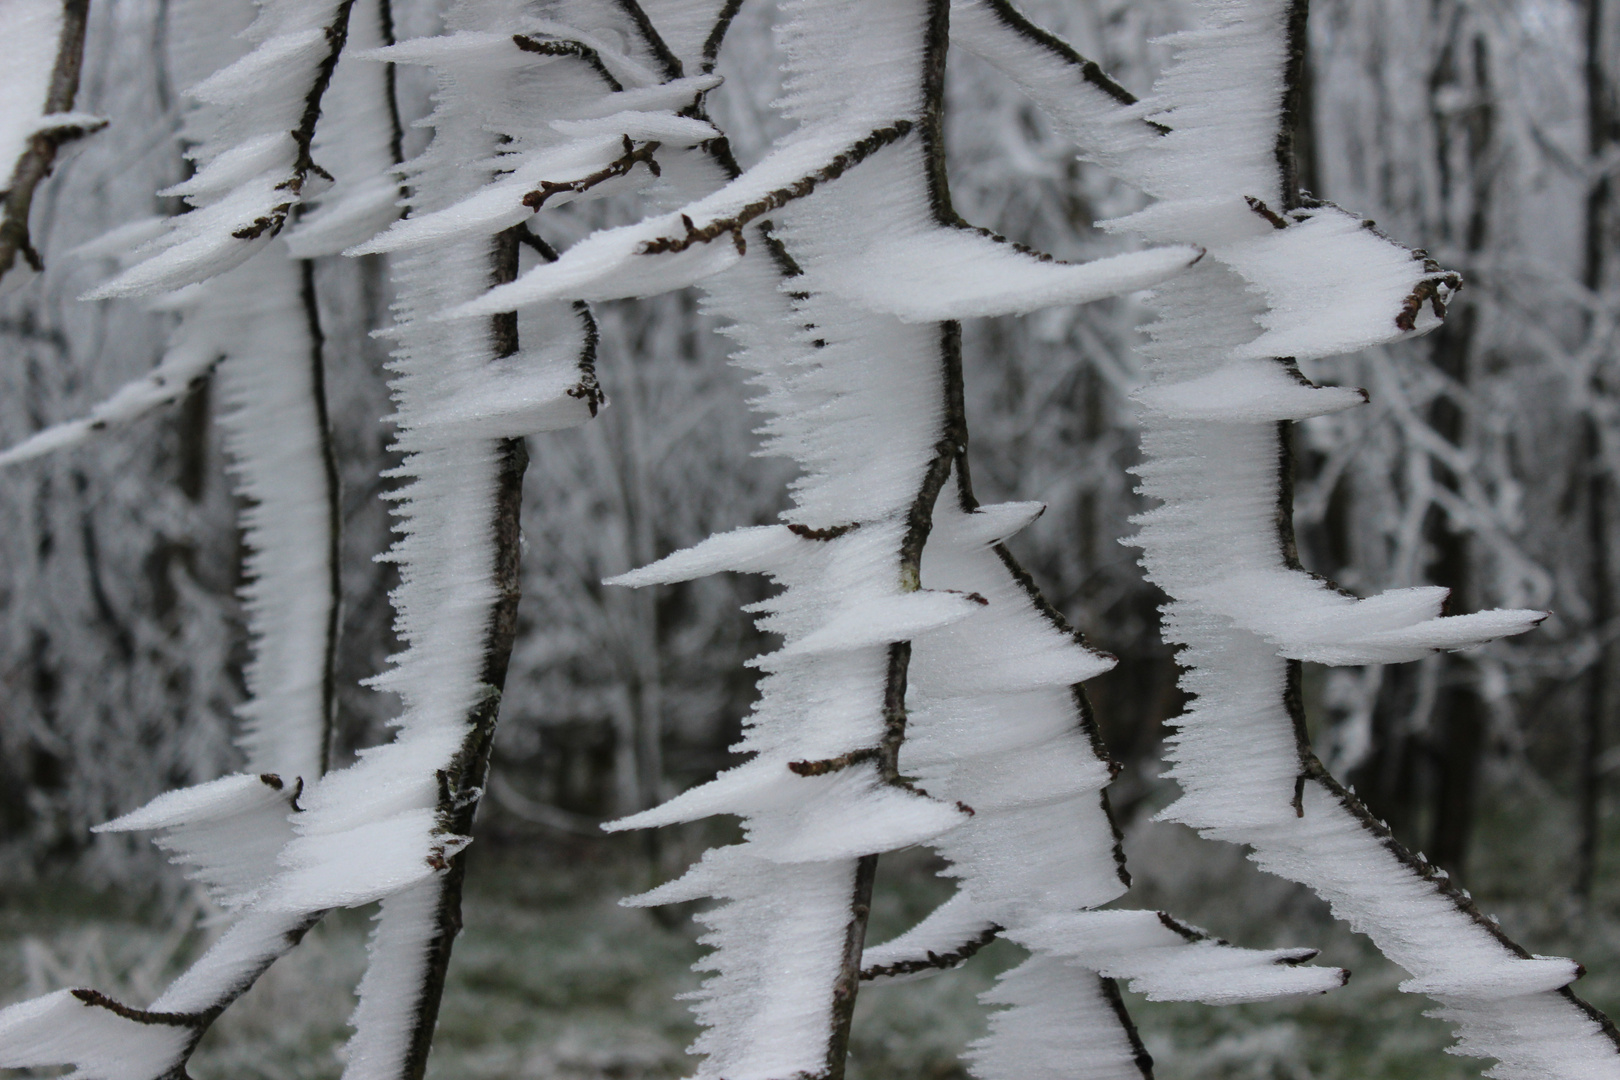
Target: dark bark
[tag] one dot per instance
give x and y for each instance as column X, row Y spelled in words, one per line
column 334, row 509
column 1457, row 734
column 36, row 162
column 1603, row 132
column 848, row 982
column 933, row 961
column 303, row 136
column 462, row 784
column 396, row 129
column 919, row 522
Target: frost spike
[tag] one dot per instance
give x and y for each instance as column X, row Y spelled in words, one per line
column 254, row 166
column 822, row 408
column 259, row 320
column 1225, row 178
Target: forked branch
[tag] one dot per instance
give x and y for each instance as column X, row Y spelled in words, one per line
column 40, row 155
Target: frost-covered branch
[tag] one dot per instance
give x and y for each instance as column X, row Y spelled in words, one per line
column 259, row 323
column 45, row 42
column 875, row 255
column 1221, row 543
column 233, row 830
column 257, row 156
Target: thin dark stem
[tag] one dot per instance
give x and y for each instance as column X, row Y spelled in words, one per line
column 1014, row 20
column 462, row 784
column 848, row 983
column 919, row 522
column 36, row 162
column 620, row 166
column 396, row 129
column 1293, row 103
column 557, row 47
column 733, row 225
column 717, row 34
column 652, row 39
column 303, row 136
column 334, row 509
column 1602, row 123
column 933, row 961
column 1116, row 1001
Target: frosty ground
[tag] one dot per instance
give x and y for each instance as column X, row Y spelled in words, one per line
column 551, row 978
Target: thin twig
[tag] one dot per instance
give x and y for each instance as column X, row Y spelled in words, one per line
column 462, row 784
column 932, row 961
column 334, row 508
column 303, row 136
column 652, row 39
column 559, row 47
column 733, row 226
column 619, row 166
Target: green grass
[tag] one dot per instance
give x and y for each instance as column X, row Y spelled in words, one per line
column 552, row 979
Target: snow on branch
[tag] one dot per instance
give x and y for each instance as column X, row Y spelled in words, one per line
column 255, row 162
column 358, row 142
column 258, row 323
column 916, row 652
column 1287, row 278
column 45, row 48
column 393, row 826
column 231, row 832
column 1091, row 109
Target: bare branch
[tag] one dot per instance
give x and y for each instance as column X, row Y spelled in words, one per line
column 461, row 786
column 620, row 166
column 334, row 507
column 717, row 35
column 1014, row 20
column 555, row 47
column 932, row 960
column 733, row 226
column 652, row 39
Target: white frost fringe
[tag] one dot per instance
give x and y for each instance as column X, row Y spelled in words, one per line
column 230, row 831
column 853, row 381
column 1303, row 283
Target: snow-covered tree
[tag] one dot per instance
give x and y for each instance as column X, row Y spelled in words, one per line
column 925, row 691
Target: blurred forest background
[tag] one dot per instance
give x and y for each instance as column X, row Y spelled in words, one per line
column 1487, row 131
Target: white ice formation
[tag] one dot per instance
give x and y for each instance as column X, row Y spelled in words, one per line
column 252, row 131
column 254, row 322
column 924, row 691
column 1288, row 279
column 837, row 260
column 44, row 47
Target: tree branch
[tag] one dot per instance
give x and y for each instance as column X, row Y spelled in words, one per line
column 652, row 39
column 932, row 961
column 337, row 33
column 717, row 33
column 733, row 226
column 550, row 47
column 1014, row 20
column 461, row 786
column 36, row 162
column 334, row 508
column 619, row 166
column 1293, row 698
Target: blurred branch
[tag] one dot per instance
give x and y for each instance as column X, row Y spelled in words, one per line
column 36, row 162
